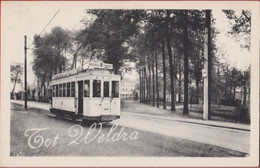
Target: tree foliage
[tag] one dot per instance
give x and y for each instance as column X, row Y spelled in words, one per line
column 16, row 72
column 111, row 31
column 49, row 55
column 167, row 46
column 240, row 26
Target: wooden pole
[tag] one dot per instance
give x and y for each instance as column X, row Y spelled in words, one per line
column 207, row 68
column 25, row 72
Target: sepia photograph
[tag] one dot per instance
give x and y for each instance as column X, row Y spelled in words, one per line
column 98, row 82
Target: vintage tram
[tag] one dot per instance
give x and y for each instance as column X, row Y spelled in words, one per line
column 90, row 94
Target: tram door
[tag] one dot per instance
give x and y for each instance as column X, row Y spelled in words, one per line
column 106, row 99
column 80, row 98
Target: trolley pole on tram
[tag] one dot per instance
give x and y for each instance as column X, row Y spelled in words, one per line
column 25, row 72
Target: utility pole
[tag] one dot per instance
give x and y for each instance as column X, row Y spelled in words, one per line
column 25, row 72
column 206, row 73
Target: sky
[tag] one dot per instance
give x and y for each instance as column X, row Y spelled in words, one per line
column 26, row 18
column 237, row 56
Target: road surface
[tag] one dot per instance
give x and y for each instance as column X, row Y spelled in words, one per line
column 141, row 131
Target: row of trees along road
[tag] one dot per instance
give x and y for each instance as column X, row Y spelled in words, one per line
column 166, row 45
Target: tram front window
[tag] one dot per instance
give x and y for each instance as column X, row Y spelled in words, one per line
column 86, row 88
column 96, row 88
column 106, row 89
column 115, row 89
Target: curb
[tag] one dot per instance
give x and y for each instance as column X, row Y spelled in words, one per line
column 192, row 122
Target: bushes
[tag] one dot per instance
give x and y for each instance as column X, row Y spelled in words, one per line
column 44, row 99
column 230, row 102
column 237, row 114
column 242, row 114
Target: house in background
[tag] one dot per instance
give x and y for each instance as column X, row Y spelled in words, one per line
column 127, row 88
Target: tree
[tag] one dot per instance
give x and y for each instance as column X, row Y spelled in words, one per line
column 168, row 43
column 244, row 81
column 186, row 62
column 157, row 83
column 49, row 55
column 153, row 75
column 149, row 37
column 16, row 72
column 78, row 44
column 240, row 26
column 114, row 28
column 164, row 75
column 234, row 80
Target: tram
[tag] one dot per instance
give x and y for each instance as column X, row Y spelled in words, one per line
column 90, row 94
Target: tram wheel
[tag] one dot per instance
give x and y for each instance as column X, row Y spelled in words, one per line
column 73, row 118
column 86, row 122
column 58, row 116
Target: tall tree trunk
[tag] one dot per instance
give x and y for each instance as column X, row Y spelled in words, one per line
column 144, row 77
column 140, row 86
column 186, row 64
column 197, row 91
column 15, row 81
column 230, row 90
column 147, row 87
column 164, row 76
column 179, row 99
column 244, row 88
column 157, row 87
column 75, row 61
column 51, row 71
column 153, row 78
column 38, row 93
column 218, row 88
column 44, row 86
column 248, row 92
column 149, row 82
column 44, row 89
column 225, row 89
column 60, row 68
column 174, row 76
column 234, row 92
column 82, row 63
column 41, row 91
column 170, row 62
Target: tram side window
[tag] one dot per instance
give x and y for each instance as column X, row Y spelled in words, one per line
column 115, row 89
column 86, row 88
column 96, row 88
column 57, row 91
column 72, row 89
column 68, row 89
column 60, row 90
column 64, row 90
column 106, row 89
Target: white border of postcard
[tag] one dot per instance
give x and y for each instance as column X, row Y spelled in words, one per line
column 252, row 160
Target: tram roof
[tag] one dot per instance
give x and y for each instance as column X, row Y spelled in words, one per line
column 75, row 72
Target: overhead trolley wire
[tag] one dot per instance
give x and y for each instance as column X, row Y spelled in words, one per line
column 44, row 28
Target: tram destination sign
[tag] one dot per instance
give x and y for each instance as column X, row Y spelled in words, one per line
column 66, row 74
column 99, row 65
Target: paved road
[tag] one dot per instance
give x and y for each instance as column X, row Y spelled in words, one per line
column 135, row 135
